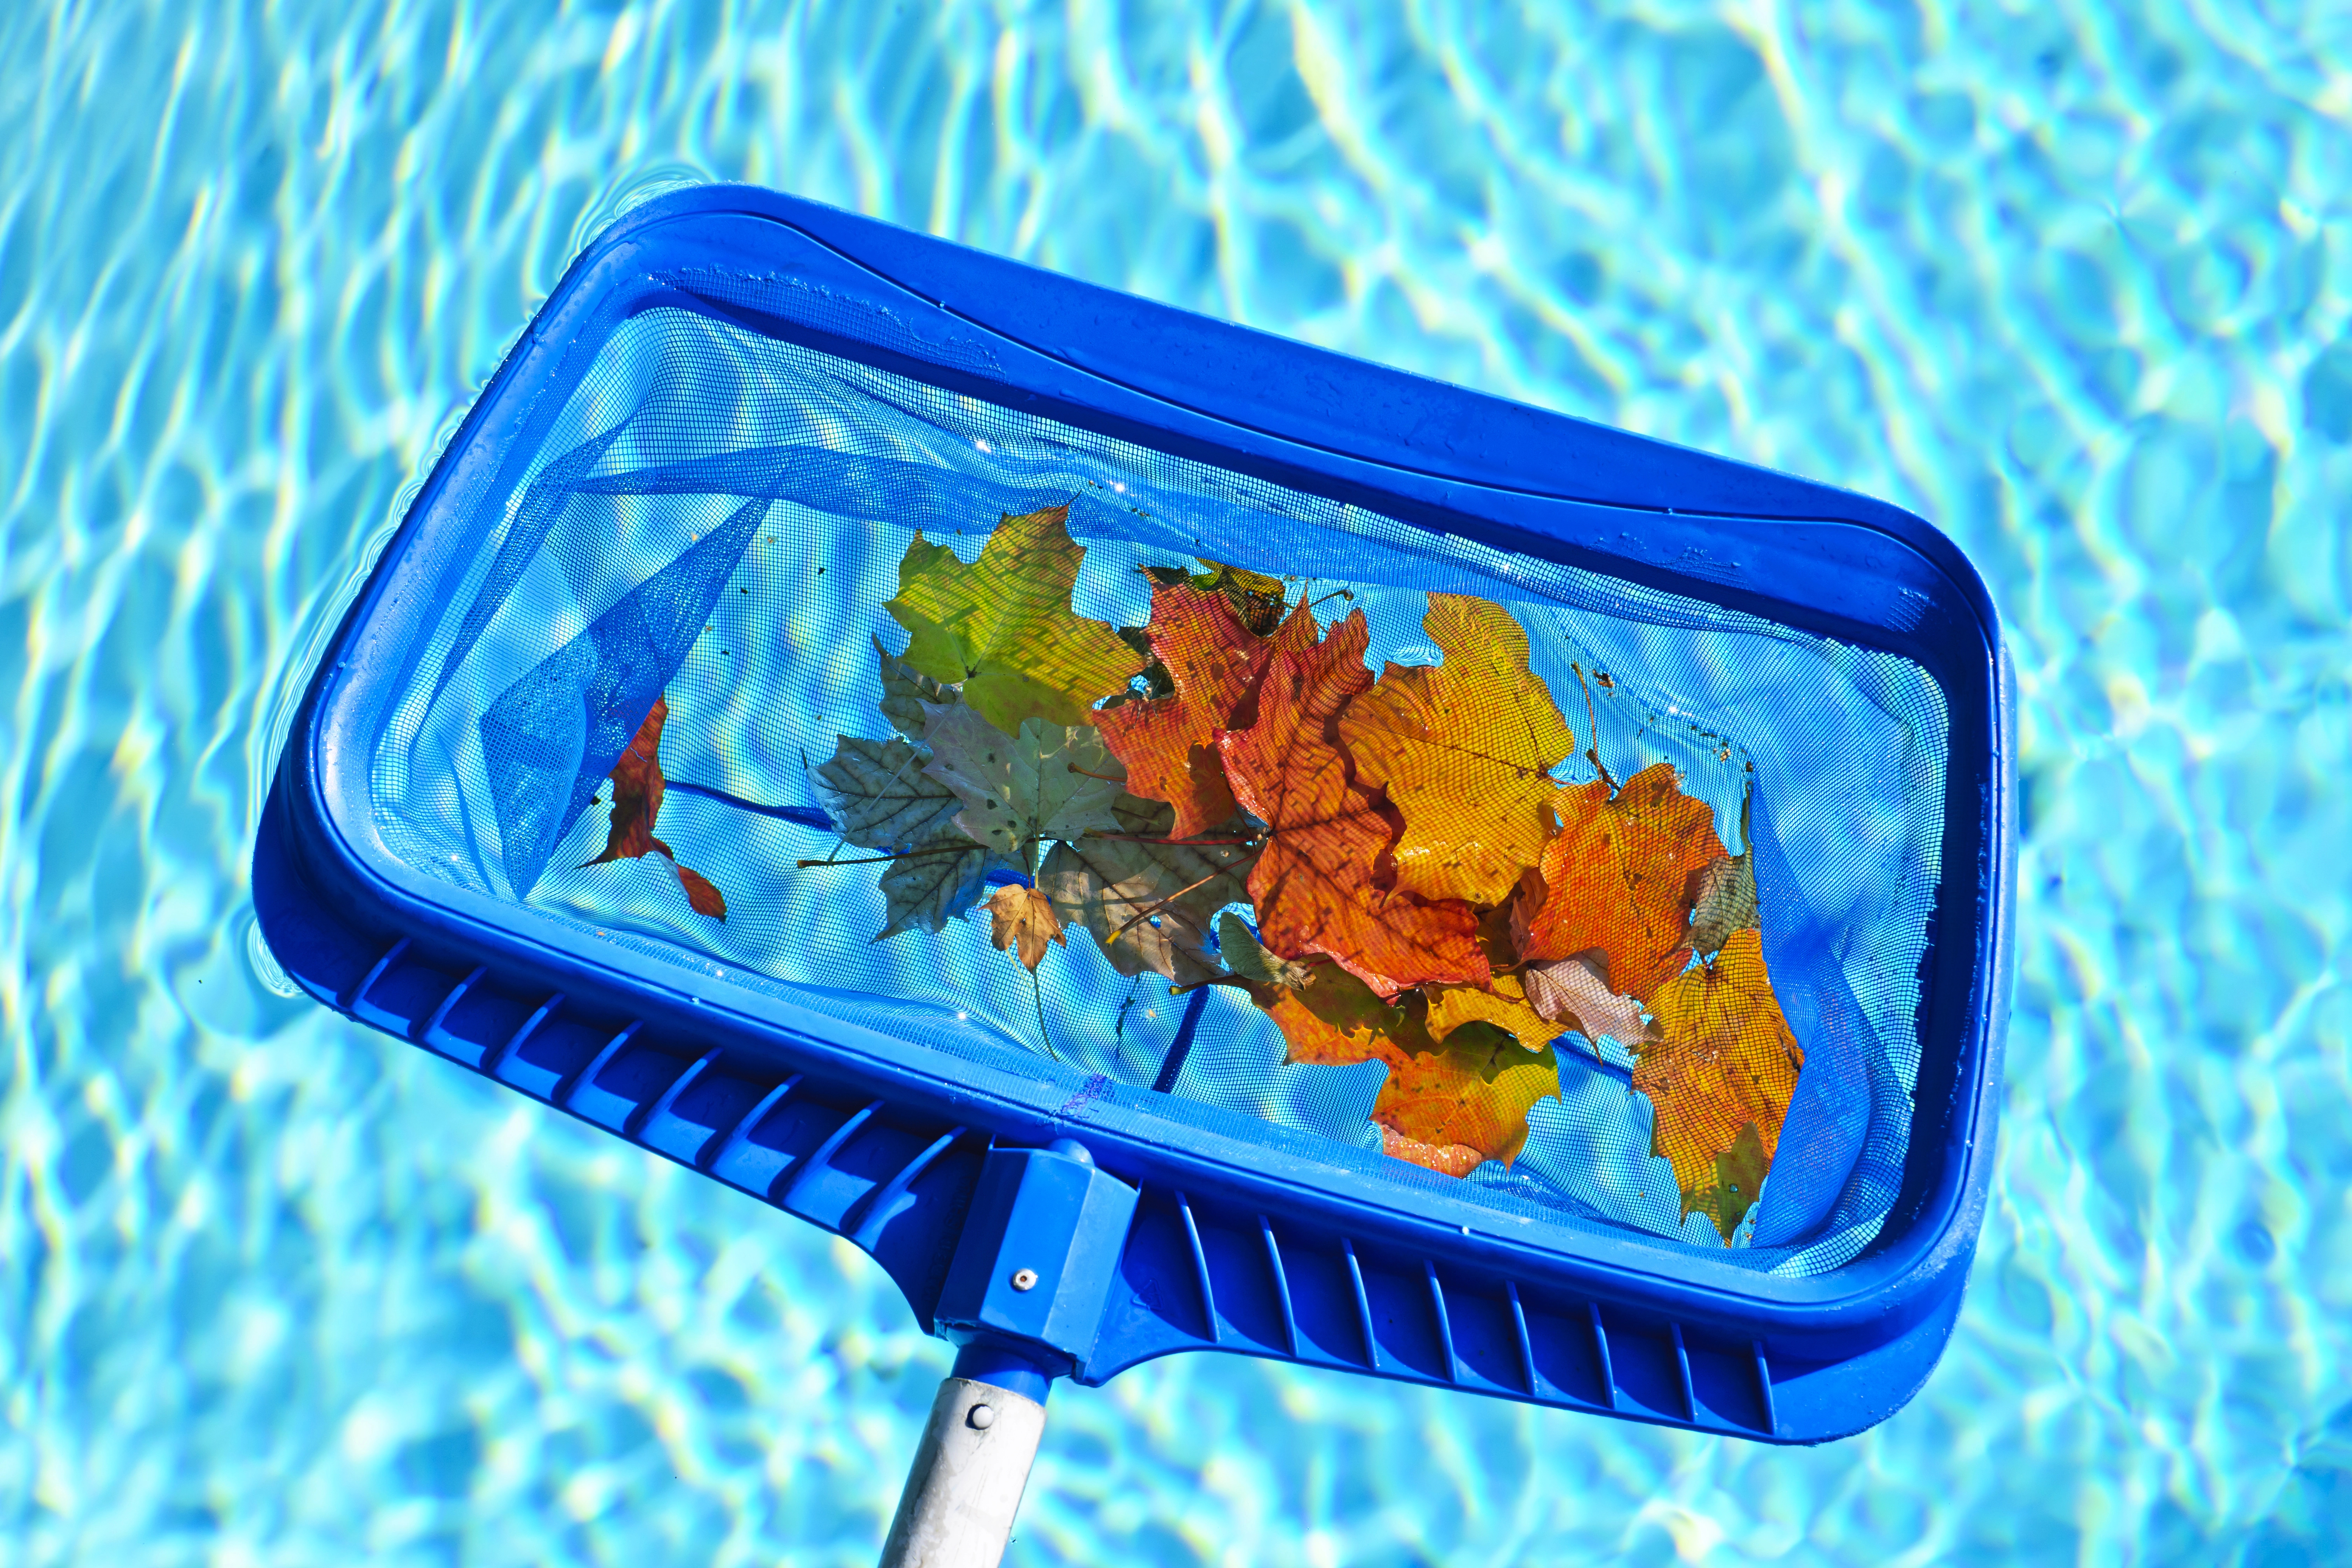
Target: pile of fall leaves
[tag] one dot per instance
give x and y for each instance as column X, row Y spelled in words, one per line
column 1426, row 894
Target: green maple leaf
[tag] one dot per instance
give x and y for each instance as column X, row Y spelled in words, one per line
column 1052, row 781
column 1148, row 903
column 880, row 796
column 1245, row 957
column 1739, row 1172
column 1003, row 625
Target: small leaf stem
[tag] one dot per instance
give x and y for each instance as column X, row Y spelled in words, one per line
column 902, row 855
column 1150, row 910
column 1150, row 838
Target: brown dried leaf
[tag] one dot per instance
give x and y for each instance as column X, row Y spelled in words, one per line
column 1023, row 919
column 636, row 803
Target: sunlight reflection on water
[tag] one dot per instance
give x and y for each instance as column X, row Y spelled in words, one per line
column 2070, row 283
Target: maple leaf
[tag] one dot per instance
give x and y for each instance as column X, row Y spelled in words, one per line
column 1147, row 902
column 1721, row 1072
column 1503, row 1005
column 1338, row 1020
column 1251, row 961
column 1465, row 749
column 1315, row 884
column 879, row 796
column 1574, row 994
column 905, row 690
column 1448, row 1104
column 1169, row 743
column 1474, row 1093
column 1052, row 781
column 1023, row 919
column 1003, row 628
column 1726, row 904
column 1446, row 1160
column 936, row 881
column 1619, row 877
column 636, row 803
column 1256, row 598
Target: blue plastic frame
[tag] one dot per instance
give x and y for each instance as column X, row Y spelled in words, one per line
column 1243, row 1238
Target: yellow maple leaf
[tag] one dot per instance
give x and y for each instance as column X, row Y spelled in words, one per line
column 1719, row 1075
column 1505, row 1006
column 1003, row 627
column 1465, row 749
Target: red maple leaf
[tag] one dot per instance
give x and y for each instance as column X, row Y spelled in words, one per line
column 1319, row 884
column 1169, row 744
column 1620, row 876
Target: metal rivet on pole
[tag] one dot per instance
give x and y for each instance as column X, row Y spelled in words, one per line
column 969, row 1473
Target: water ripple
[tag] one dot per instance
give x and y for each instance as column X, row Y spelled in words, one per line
column 2070, row 281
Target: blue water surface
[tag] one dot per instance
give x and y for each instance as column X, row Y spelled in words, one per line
column 2073, row 281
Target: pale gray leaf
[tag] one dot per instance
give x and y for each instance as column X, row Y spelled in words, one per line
column 905, row 690
column 1049, row 782
column 1570, row 991
column 941, row 878
column 879, row 796
column 1144, row 818
column 1106, row 884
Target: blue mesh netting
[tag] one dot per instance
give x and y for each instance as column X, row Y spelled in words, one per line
column 716, row 517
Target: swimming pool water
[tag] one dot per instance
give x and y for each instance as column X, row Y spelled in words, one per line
column 2073, row 281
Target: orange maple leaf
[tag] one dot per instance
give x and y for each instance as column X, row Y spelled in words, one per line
column 1619, row 877
column 1720, row 1075
column 1449, row 1105
column 1335, row 1019
column 1316, row 885
column 1471, row 1093
column 638, row 801
column 1169, row 743
column 1465, row 749
column 1445, row 1159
